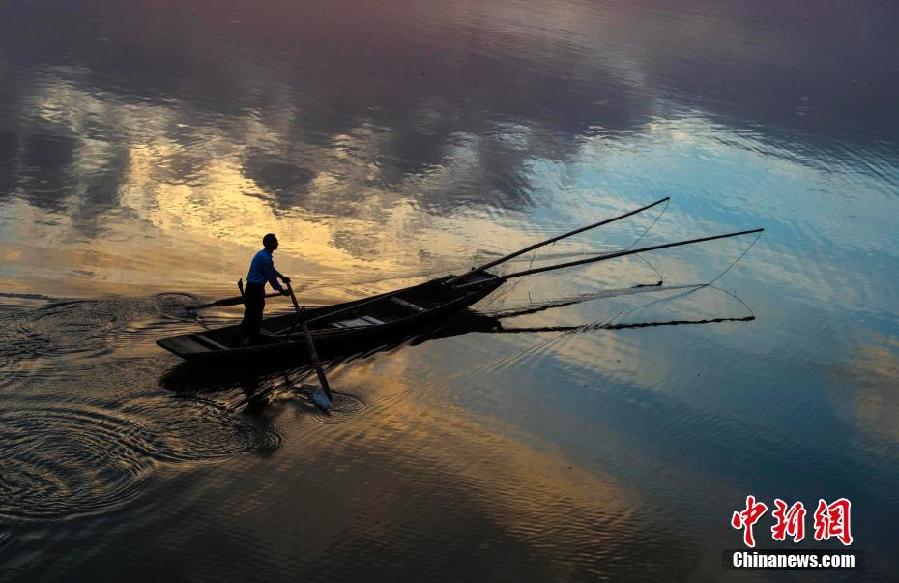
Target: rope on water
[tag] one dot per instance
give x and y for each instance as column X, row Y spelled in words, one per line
column 605, row 323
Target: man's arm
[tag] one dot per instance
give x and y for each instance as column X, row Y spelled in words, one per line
column 272, row 276
column 284, row 278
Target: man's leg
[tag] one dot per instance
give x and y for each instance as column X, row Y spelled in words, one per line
column 260, row 309
column 254, row 303
column 245, row 323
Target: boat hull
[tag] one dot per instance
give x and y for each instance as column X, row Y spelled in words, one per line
column 336, row 330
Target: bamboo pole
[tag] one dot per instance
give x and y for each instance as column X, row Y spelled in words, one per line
column 505, row 258
column 609, row 256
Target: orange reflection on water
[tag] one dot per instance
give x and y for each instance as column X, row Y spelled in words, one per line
column 535, row 490
column 865, row 390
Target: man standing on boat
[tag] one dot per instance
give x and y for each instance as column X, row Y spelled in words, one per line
column 262, row 269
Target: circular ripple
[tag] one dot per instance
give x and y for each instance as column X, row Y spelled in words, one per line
column 85, row 328
column 60, row 461
column 343, row 408
column 186, row 430
column 63, row 460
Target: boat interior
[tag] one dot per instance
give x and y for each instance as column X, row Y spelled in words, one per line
column 357, row 315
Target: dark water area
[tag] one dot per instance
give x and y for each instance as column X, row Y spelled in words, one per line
column 573, row 427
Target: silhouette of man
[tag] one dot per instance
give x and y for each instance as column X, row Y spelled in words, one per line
column 262, row 269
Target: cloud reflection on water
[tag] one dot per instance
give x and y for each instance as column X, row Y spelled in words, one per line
column 149, row 148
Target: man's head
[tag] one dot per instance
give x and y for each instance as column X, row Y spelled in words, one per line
column 270, row 242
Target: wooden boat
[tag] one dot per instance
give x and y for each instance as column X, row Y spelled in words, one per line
column 342, row 326
column 346, row 327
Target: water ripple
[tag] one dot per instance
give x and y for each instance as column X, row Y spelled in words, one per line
column 61, row 461
column 71, row 459
column 79, row 331
column 181, row 431
column 344, row 408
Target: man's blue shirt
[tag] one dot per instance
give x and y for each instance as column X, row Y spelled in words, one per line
column 262, row 269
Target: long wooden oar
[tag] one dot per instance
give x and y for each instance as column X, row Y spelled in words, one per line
column 607, row 256
column 324, row 401
column 235, row 301
column 549, row 241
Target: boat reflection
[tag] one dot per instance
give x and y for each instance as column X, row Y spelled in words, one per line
column 256, row 383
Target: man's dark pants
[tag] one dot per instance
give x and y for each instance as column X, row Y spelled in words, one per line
column 254, row 302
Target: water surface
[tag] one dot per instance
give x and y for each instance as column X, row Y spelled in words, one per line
column 145, row 148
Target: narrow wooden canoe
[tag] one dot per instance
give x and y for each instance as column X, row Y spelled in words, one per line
column 338, row 328
column 345, row 327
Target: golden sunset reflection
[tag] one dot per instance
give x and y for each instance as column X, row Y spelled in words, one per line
column 863, row 390
column 573, row 425
column 534, row 474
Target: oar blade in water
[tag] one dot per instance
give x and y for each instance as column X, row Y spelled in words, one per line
column 321, row 400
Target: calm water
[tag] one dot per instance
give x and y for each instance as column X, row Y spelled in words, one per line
column 145, row 147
